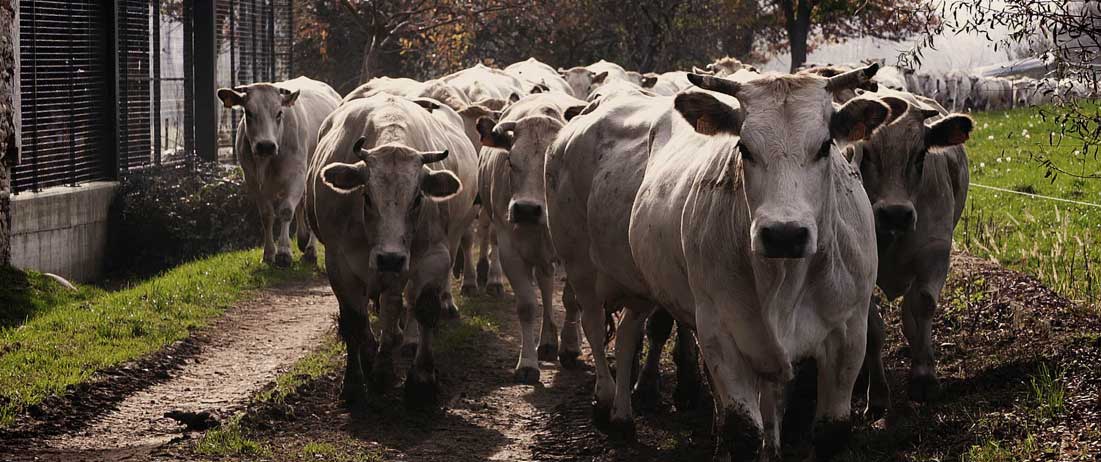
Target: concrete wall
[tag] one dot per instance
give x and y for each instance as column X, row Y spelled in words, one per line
column 63, row 230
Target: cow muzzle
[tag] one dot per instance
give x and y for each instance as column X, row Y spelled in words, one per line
column 783, row 240
column 895, row 219
column 265, row 148
column 525, row 213
column 391, row 262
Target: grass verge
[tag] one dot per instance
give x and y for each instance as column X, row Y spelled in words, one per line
column 71, row 336
column 1058, row 242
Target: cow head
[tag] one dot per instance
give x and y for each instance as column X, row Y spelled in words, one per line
column 526, row 141
column 892, row 161
column 582, row 81
column 264, row 105
column 787, row 148
column 394, row 181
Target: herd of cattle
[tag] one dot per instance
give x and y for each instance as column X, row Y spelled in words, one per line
column 757, row 211
column 960, row 90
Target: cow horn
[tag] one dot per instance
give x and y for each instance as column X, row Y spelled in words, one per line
column 433, row 156
column 852, row 79
column 718, row 84
column 357, row 148
column 504, row 127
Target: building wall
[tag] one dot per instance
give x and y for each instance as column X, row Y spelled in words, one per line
column 63, row 230
column 9, row 119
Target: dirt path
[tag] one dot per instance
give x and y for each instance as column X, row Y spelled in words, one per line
column 243, row 351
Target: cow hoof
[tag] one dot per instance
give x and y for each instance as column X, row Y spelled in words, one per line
column 495, row 289
column 830, row 438
column 924, row 389
column 420, row 394
column 875, row 412
column 548, row 352
column 602, row 414
column 309, row 258
column 469, row 290
column 570, row 359
column 408, row 350
column 383, row 378
column 483, row 272
column 354, row 396
column 451, row 312
column 647, row 398
column 282, row 260
column 527, row 375
column 688, row 397
column 621, row 429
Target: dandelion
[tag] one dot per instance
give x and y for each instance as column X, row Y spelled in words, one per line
column 985, row 125
column 982, row 164
column 999, row 160
column 990, row 137
column 1009, row 159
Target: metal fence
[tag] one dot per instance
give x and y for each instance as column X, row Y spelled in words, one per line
column 108, row 86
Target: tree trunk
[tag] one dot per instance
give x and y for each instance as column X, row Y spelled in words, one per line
column 9, row 120
column 797, row 19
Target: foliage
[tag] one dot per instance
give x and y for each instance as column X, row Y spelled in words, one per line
column 167, row 215
column 1067, row 35
column 68, row 343
column 230, row 440
column 1048, row 393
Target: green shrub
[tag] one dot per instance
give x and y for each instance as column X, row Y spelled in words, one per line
column 164, row 216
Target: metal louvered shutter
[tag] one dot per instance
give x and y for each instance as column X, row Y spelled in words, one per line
column 66, row 93
column 135, row 76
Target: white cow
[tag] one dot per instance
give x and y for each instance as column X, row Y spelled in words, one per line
column 386, row 196
column 274, row 142
column 512, row 193
column 489, row 87
column 536, row 73
column 583, row 80
column 993, row 93
column 768, row 264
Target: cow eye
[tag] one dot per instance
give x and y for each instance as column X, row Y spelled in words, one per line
column 417, row 200
column 824, row 151
column 746, row 155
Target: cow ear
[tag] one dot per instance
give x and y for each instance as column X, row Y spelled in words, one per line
column 649, row 81
column 949, row 131
column 857, row 119
column 898, row 107
column 599, row 78
column 231, row 97
column 289, row 97
column 474, row 111
column 499, row 139
column 562, row 72
column 574, row 111
column 343, row 178
column 707, row 114
column 512, row 98
column 441, row 185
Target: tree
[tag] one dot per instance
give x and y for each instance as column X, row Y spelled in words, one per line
column 800, row 24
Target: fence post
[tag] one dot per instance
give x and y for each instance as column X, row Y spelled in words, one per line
column 205, row 60
column 9, row 116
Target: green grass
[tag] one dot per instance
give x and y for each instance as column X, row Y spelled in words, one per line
column 995, row 451
column 24, row 295
column 69, row 337
column 230, row 440
column 1057, row 242
column 1048, row 392
column 312, row 366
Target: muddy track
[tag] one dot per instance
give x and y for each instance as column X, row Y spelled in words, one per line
column 222, row 366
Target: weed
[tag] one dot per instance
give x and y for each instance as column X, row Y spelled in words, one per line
column 1048, row 392
column 230, row 440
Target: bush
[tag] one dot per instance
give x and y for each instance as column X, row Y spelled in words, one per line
column 164, row 216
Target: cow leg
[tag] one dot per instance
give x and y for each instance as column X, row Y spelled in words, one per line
column 689, row 392
column 429, row 284
column 548, row 336
column 519, row 276
column 390, row 311
column 450, row 309
column 470, row 274
column 267, row 222
column 839, row 360
column 584, row 282
column 878, row 391
column 648, row 388
column 307, row 241
column 482, row 224
column 494, row 282
column 772, row 415
column 355, row 329
column 570, row 349
column 918, row 307
column 628, row 339
column 738, row 428
column 284, row 215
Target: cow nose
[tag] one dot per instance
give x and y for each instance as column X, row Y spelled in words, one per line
column 526, row 212
column 265, row 148
column 390, row 262
column 895, row 218
column 785, row 240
